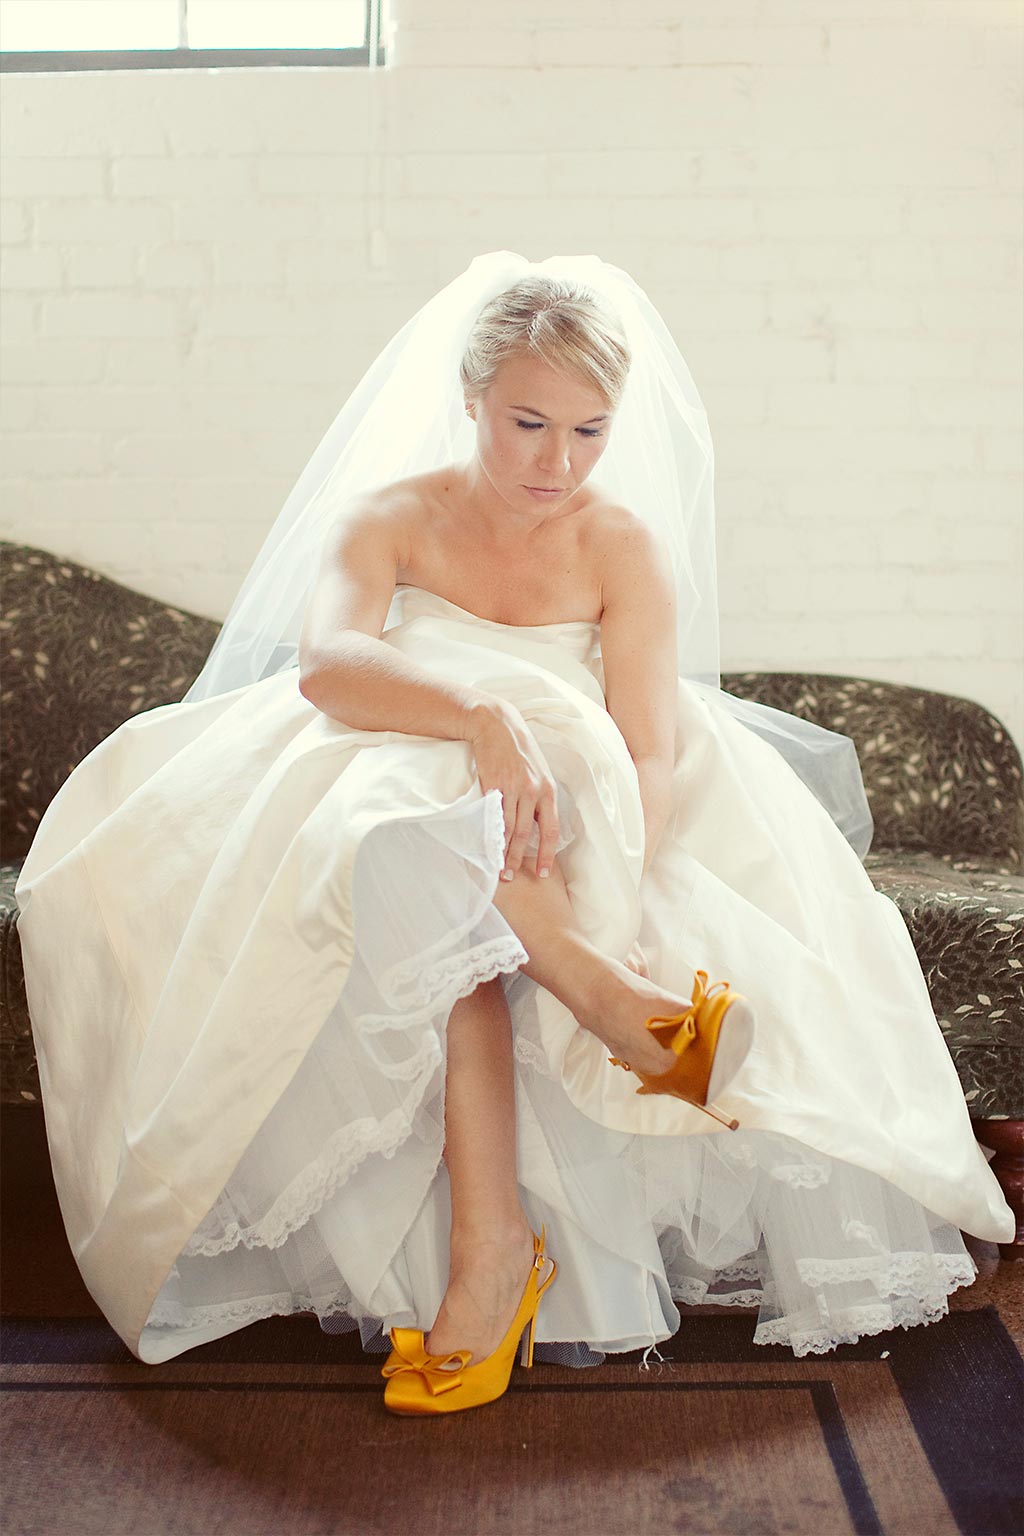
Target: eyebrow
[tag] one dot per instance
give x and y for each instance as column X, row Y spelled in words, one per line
column 548, row 418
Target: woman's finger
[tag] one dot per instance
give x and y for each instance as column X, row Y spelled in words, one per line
column 519, row 839
column 547, row 827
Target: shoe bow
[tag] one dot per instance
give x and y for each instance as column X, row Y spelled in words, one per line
column 408, row 1343
column 685, row 1022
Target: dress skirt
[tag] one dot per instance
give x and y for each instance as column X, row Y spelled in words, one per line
column 244, row 925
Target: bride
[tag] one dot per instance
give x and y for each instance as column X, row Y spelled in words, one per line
column 331, row 965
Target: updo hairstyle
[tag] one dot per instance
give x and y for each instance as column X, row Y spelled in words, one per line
column 565, row 324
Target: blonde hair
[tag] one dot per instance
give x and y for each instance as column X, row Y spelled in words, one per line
column 560, row 321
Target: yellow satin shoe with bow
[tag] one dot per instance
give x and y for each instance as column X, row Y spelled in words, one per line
column 708, row 1054
column 419, row 1382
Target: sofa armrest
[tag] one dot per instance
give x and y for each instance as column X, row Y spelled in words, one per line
column 941, row 773
column 82, row 653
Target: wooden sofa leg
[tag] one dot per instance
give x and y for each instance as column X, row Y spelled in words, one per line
column 1006, row 1137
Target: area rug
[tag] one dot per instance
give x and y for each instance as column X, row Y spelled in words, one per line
column 281, row 1429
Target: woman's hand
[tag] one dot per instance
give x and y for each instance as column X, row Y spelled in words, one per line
column 508, row 758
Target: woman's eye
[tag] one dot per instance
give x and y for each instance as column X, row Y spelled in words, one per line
column 587, row 431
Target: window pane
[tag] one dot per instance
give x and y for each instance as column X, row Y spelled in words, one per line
column 276, row 23
column 32, row 26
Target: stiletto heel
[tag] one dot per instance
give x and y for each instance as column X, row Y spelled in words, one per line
column 706, row 1059
column 419, row 1382
column 526, row 1352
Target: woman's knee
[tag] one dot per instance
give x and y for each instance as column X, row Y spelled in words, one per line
column 527, row 901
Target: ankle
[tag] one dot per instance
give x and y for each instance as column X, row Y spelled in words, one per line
column 471, row 1238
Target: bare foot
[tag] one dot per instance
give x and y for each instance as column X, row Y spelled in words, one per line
column 616, row 1010
column 485, row 1287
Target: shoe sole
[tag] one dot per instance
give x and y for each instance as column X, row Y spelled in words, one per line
column 735, row 1038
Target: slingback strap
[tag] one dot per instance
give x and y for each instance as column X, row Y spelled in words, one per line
column 542, row 1287
column 540, row 1258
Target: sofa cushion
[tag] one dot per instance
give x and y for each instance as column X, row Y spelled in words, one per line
column 941, row 774
column 81, row 654
column 967, row 926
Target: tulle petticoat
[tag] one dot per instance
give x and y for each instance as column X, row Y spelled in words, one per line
column 340, row 1205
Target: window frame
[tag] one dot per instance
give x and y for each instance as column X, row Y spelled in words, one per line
column 186, row 58
column 53, row 62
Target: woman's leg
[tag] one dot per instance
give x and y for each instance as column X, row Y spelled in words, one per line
column 491, row 1239
column 605, row 996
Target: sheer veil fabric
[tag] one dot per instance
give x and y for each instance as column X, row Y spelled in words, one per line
column 244, row 925
column 406, row 416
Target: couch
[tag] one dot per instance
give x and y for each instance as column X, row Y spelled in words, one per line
column 81, row 653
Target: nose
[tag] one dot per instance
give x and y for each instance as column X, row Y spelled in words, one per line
column 554, row 458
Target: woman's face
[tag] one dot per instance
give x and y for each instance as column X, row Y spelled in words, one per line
column 538, row 430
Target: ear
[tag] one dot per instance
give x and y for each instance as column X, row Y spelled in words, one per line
column 470, row 408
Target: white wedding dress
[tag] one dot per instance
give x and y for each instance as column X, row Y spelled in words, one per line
column 244, row 925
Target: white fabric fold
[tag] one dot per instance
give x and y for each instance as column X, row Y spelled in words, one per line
column 244, row 926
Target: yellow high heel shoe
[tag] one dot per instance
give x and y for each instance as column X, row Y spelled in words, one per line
column 419, row 1382
column 707, row 1059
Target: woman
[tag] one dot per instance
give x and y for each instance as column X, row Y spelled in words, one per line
column 324, row 1058
column 515, row 532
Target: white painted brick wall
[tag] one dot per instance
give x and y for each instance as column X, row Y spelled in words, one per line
column 823, row 198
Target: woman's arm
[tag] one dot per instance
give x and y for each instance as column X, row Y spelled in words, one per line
column 354, row 676
column 641, row 674
column 346, row 669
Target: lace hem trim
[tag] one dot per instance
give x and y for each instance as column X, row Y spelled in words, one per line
column 530, row 1054
column 320, row 1179
column 889, row 1273
column 411, row 983
column 903, row 1308
column 436, row 983
column 167, row 1314
column 900, row 1311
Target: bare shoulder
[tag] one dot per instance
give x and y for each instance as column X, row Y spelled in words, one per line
column 632, row 557
column 385, row 516
column 611, row 520
column 638, row 635
column 363, row 549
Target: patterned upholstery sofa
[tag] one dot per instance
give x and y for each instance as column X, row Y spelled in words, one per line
column 82, row 653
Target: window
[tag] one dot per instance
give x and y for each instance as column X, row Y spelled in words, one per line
column 59, row 35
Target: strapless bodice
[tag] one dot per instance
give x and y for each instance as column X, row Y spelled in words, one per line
column 417, row 599
column 579, row 637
